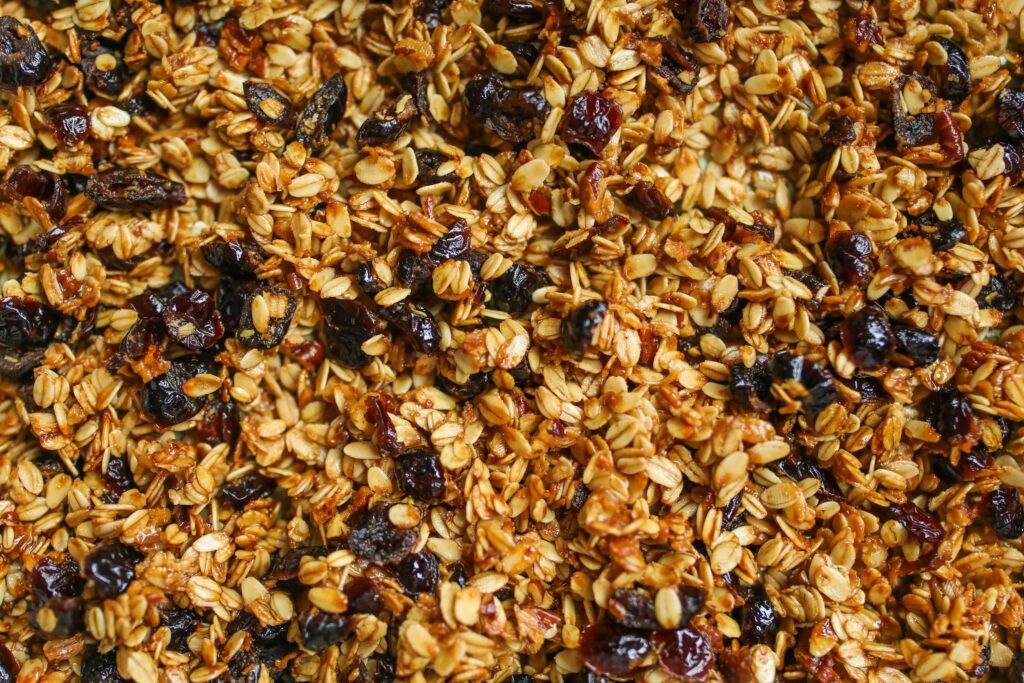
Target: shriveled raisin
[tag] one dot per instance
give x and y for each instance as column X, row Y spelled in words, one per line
column 69, row 123
column 1004, row 512
column 704, row 20
column 579, row 327
column 686, row 653
column 677, row 67
column 944, row 235
column 48, row 188
column 248, row 487
column 420, row 475
column 912, row 129
column 266, row 316
column 1000, row 293
column 52, row 578
column 132, row 189
column 118, row 476
column 416, row 324
column 23, row 60
column 751, row 387
column 819, row 385
column 369, row 280
column 919, row 523
column 9, row 666
column 841, row 131
column 799, row 467
column 613, row 650
column 760, row 621
column 111, row 567
column 219, row 423
column 518, row 10
column 181, row 622
column 164, row 400
column 418, row 573
column 919, row 346
column 456, row 242
column 347, row 324
column 193, row 321
column 950, row 413
column 387, row 126
column 102, row 64
column 428, row 161
column 431, row 12
column 364, row 597
column 26, row 322
column 650, row 201
column 589, row 123
column 507, row 112
column 474, row 385
column 101, row 668
column 268, row 104
column 633, row 609
column 956, row 72
column 513, row 291
column 1010, row 112
column 849, row 254
column 373, row 537
column 868, row 338
column 319, row 630
column 692, row 599
column 241, row 257
column 321, row 116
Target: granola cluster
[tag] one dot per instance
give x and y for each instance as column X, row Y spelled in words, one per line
column 513, row 340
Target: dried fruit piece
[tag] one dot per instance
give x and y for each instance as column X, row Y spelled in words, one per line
column 704, row 20
column 320, row 630
column 798, row 468
column 475, row 385
column 679, row 69
column 192, row 320
column 868, row 338
column 23, row 61
column 164, row 401
column 250, row 486
column 513, row 291
column 819, row 667
column 1004, row 512
column 456, row 242
column 416, row 324
column 518, row 10
column 111, row 567
column 1000, row 294
column 101, row 668
column 49, row 189
column 385, row 127
column 431, row 12
column 373, row 537
column 951, row 414
column 760, row 622
column 841, row 131
column 1010, row 112
column 919, row 346
column 613, row 650
column 418, row 573
column 818, row 383
column 118, row 476
column 579, row 327
column 102, row 64
column 347, row 325
column 181, row 622
column 268, row 104
column 919, row 523
column 321, row 116
column 912, row 129
column 419, row 474
column 751, row 387
column 56, row 579
column 633, row 609
column 428, row 161
column 849, row 254
column 686, row 653
column 364, row 597
column 220, row 423
column 589, row 123
column 240, row 257
column 266, row 316
column 131, row 189
column 956, row 72
column 26, row 322
column 69, row 123
column 944, row 235
column 650, row 201
column 507, row 112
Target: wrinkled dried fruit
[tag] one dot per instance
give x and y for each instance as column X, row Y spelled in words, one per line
column 364, row 597
column 53, row 579
column 513, row 291
column 387, row 126
column 678, row 67
column 518, row 10
column 320, row 630
column 704, row 20
column 23, row 61
column 798, row 468
column 589, row 123
column 849, row 254
column 508, row 113
column 111, row 567
column 102, row 64
column 633, row 609
column 1000, row 294
column 268, row 104
column 368, row 280
column 475, row 385
column 818, row 383
column 751, row 387
column 686, row 653
column 428, row 161
column 416, row 324
column 956, row 72
column 131, row 189
column 1004, row 512
column 613, row 650
column 868, row 338
column 164, row 401
column 418, row 573
column 48, row 188
column 760, row 622
column 819, row 667
column 347, row 324
column 373, row 537
column 650, row 201
column 912, row 130
column 919, row 346
column 419, row 474
column 101, row 668
column 919, row 523
column 181, row 622
column 692, row 599
column 69, row 123
column 266, row 316
column 431, row 12
column 240, row 257
column 1010, row 112
column 841, row 131
column 250, row 486
column 951, row 415
column 456, row 242
column 118, row 476
column 321, row 116
column 579, row 327
column 220, row 423
column 26, row 322
column 192, row 320
column 944, row 235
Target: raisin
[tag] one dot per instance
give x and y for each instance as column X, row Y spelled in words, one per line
column 841, row 131
column 102, row 64
column 1010, row 112
column 508, row 113
column 686, row 653
column 9, row 666
column 347, row 324
column 373, row 537
column 455, row 243
column 431, row 12
column 613, row 650
column 677, row 66
column 413, row 269
column 368, row 279
column 418, row 573
column 69, row 123
column 321, row 116
column 732, row 513
column 809, row 280
column 944, row 235
column 241, row 257
column 416, row 324
column 760, row 622
column 919, row 346
column 192, row 320
column 513, row 291
column 268, row 104
column 101, row 668
column 23, row 60
column 518, row 10
column 579, row 498
column 164, row 401
column 650, row 201
column 705, row 21
column 868, row 338
column 118, row 476
column 264, row 637
column 428, row 161
column 751, row 387
column 912, row 130
column 999, row 294
column 53, row 579
column 266, row 316
column 919, row 523
column 692, row 599
column 419, row 474
column 140, row 104
column 181, row 622
column 579, row 327
column 950, row 413
column 589, row 123
column 385, row 436
column 1004, row 512
column 798, row 468
column 849, row 254
column 817, row 381
column 633, row 609
column 319, row 630
column 387, row 126
column 111, row 567
column 131, row 189
column 956, row 72
column 819, row 667
column 26, row 322
column 248, row 487
column 49, row 189
column 475, row 385
column 364, row 597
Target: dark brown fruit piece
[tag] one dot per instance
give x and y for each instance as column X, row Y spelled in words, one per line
column 164, row 401
column 520, row 11
column 416, row 324
column 513, row 291
column 817, row 381
column 633, row 609
column 387, row 126
column 133, row 190
column 917, row 345
column 181, row 622
column 849, row 254
column 760, row 622
column 1010, row 113
column 192, row 320
column 704, row 20
column 101, row 668
column 613, row 650
column 580, row 326
column 692, row 599
column 589, row 123
column 48, row 188
column 250, row 486
column 321, row 116
column 686, row 653
column 418, row 573
column 475, row 385
column 456, row 242
column 56, row 579
column 319, row 630
column 23, row 60
column 268, row 104
column 868, row 338
column 220, row 423
column 650, row 201
column 1004, row 512
column 373, row 537
column 919, row 523
column 912, row 130
column 69, row 123
column 280, row 307
column 102, row 64
column 951, row 415
column 841, row 131
column 678, row 67
column 9, row 666
column 346, row 325
column 26, row 323
column 237, row 257
column 956, row 72
column 431, row 12
column 508, row 113
column 118, row 476
column 111, row 567
column 428, row 161
column 798, row 468
column 419, row 474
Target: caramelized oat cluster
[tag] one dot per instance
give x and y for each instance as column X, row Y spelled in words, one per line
column 348, row 341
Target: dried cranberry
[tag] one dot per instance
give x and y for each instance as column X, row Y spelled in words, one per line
column 241, row 257
column 118, row 476
column 951, row 414
column 53, row 579
column 849, row 254
column 266, row 316
column 455, row 243
column 589, row 123
column 919, row 523
column 677, row 66
column 704, row 20
column 101, row 668
column 248, row 487
column 1010, row 112
column 321, row 116
column 319, row 630
column 911, row 130
column 373, row 537
column 862, row 31
column 633, row 609
column 650, row 201
column 475, row 385
column 387, row 126
column 919, row 346
column 819, row 667
column 816, row 380
column 431, row 12
column 131, row 189
column 686, row 653
column 868, row 338
column 220, row 423
column 427, row 163
column 102, row 64
column 760, row 622
column 23, row 60
column 613, row 650
column 579, row 327
column 347, row 324
column 751, row 387
column 69, row 123
column 363, row 595
column 181, row 622
column 418, row 573
column 192, row 320
column 49, row 189
column 1000, row 294
column 111, row 568
column 26, row 322
column 268, row 104
column 507, row 112
column 419, row 474
column 841, row 131
column 513, row 291
column 416, row 324
column 798, row 468
column 1004, row 512
column 163, row 399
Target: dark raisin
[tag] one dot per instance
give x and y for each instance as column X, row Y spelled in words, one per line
column 798, row 468
column 579, row 327
column 18, row 364
column 110, row 75
column 951, row 415
column 1016, row 670
column 910, row 129
column 63, row 617
column 319, row 630
column 841, row 131
column 944, row 235
column 26, row 322
column 1010, row 112
column 193, row 321
column 414, row 269
column 650, row 201
column 118, row 475
column 268, row 104
column 419, row 474
column 633, row 609
column 266, row 316
column 248, row 487
column 919, row 346
column 760, row 622
column 368, row 280
column 387, row 126
column 111, row 567
column 386, row 669
column 321, row 116
column 589, row 123
column 692, row 599
column 101, row 668
column 1003, row 510
column 475, row 385
column 518, row 10
column 704, row 20
column 818, row 383
column 821, row 667
column 809, row 280
column 264, row 637
column 999, row 294
column 364, row 597
column 427, row 163
column 919, row 523
column 686, row 653
column 140, row 104
column 871, row 389
column 131, row 189
column 956, row 72
column 163, row 399
column 286, row 565
column 49, row 189
column 56, row 579
column 373, row 537
column 23, row 61
column 868, row 338
column 418, row 573
column 585, row 676
column 146, row 334
column 416, row 324
column 508, row 113
column 181, row 622
column 347, row 324
column 849, row 254
column 677, row 67
column 513, row 291
column 862, row 31
column 613, row 650
column 455, row 243
column 973, row 464
column 9, row 666
column 751, row 387
column 241, row 257
column 69, row 123
column 579, row 498
column 431, row 12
